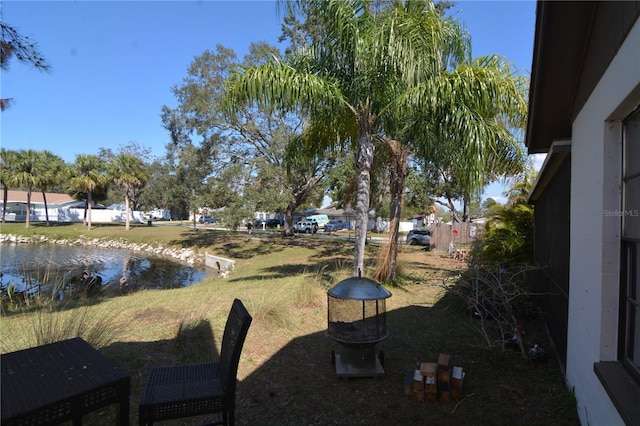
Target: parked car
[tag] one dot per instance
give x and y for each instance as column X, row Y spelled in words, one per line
column 207, row 219
column 267, row 223
column 308, row 226
column 419, row 237
column 333, row 225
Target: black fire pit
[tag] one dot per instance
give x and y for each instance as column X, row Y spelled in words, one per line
column 357, row 321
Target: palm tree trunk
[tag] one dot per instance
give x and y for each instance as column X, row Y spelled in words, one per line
column 193, row 208
column 5, row 197
column 89, row 210
column 46, row 209
column 126, row 207
column 398, row 178
column 28, row 218
column 364, row 161
column 387, row 261
column 466, row 199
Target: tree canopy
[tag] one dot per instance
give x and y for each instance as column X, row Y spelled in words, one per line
column 396, row 74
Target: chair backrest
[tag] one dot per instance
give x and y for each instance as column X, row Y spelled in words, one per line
column 235, row 332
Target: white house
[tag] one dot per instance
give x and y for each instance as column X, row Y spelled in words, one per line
column 17, row 205
column 584, row 112
column 60, row 208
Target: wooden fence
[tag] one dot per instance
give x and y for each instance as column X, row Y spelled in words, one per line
column 460, row 234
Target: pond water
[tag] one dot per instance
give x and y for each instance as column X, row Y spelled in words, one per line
column 89, row 271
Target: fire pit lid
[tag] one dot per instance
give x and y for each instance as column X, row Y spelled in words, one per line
column 359, row 288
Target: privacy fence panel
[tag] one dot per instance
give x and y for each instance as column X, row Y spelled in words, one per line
column 458, row 235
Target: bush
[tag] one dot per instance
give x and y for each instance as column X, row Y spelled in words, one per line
column 499, row 300
column 495, row 288
column 508, row 237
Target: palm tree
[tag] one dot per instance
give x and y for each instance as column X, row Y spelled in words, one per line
column 8, row 161
column 466, row 115
column 349, row 82
column 26, row 176
column 128, row 172
column 87, row 175
column 520, row 185
column 50, row 171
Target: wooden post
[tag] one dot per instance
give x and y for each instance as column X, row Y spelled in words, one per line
column 418, row 386
column 429, row 372
column 444, row 377
column 457, row 383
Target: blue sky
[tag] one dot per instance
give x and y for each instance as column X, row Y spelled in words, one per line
column 114, row 63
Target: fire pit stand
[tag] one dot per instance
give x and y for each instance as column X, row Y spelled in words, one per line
column 357, row 321
column 358, row 361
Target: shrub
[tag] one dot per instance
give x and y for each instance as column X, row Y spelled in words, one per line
column 499, row 300
column 508, row 237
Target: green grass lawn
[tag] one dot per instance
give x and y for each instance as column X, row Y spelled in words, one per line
column 286, row 376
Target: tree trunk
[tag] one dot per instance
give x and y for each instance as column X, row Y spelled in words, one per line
column 466, row 199
column 387, row 259
column 28, row 218
column 46, row 209
column 126, row 207
column 89, row 202
column 364, row 161
column 193, row 208
column 398, row 177
column 451, row 207
column 5, row 197
column 288, row 219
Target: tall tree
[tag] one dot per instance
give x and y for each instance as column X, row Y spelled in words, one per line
column 8, row 162
column 348, row 83
column 51, row 169
column 87, row 175
column 129, row 173
column 255, row 138
column 133, row 149
column 189, row 165
column 27, row 176
column 157, row 191
column 468, row 111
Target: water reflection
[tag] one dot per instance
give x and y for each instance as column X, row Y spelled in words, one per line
column 89, row 271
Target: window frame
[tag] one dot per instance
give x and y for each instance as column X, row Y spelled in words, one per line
column 629, row 254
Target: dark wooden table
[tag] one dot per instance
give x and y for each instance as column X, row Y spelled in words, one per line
column 51, row 384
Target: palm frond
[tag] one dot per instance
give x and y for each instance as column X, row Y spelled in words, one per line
column 281, row 87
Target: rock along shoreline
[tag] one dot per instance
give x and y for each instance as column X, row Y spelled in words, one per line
column 188, row 256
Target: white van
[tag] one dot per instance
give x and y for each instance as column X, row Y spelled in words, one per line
column 320, row 219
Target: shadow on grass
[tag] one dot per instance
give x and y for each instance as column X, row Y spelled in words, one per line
column 241, row 245
column 321, row 268
column 194, row 343
column 298, row 384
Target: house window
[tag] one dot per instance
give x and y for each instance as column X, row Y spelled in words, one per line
column 630, row 270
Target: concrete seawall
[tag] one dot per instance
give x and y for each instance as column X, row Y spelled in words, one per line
column 219, row 263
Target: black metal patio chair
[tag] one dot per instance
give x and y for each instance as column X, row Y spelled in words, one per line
column 179, row 391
